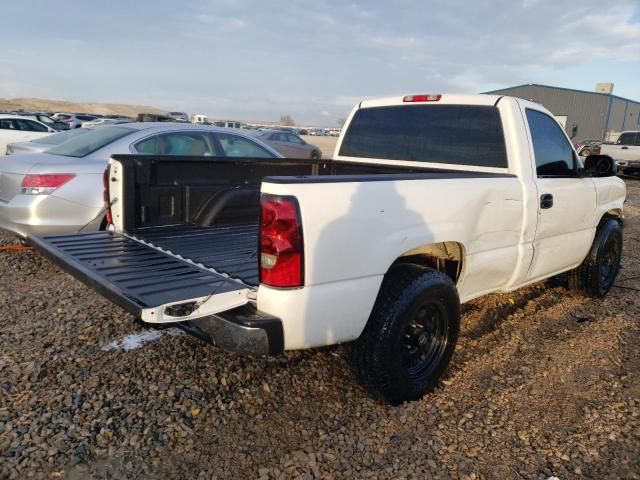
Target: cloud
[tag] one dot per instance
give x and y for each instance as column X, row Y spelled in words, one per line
column 248, row 59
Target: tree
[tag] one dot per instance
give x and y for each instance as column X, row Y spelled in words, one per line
column 341, row 122
column 287, row 121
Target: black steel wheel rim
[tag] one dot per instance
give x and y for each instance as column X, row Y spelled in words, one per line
column 425, row 339
column 609, row 261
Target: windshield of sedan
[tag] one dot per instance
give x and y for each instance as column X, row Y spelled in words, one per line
column 83, row 145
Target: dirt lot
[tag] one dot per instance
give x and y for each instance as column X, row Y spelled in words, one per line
column 544, row 383
column 326, row 144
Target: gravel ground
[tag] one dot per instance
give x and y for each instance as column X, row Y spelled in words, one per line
column 544, row 383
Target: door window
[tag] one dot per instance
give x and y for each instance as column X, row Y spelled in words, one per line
column 178, row 143
column 279, row 137
column 294, row 139
column 7, row 124
column 553, row 152
column 628, row 138
column 31, row 126
column 235, row 146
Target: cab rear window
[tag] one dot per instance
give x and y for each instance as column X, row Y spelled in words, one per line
column 454, row 134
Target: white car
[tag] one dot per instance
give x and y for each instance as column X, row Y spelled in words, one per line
column 429, row 201
column 15, row 128
column 626, row 151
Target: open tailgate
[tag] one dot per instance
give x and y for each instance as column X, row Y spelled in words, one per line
column 149, row 283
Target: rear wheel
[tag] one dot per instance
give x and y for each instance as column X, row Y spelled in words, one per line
column 596, row 274
column 410, row 336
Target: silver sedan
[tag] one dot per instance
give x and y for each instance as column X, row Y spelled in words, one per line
column 60, row 190
column 289, row 144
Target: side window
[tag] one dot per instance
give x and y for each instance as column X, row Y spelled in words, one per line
column 626, row 139
column 235, row 146
column 278, row 137
column 177, row 143
column 31, row 126
column 294, row 139
column 7, row 124
column 554, row 155
column 637, row 139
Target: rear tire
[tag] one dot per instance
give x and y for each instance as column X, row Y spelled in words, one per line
column 411, row 335
column 596, row 274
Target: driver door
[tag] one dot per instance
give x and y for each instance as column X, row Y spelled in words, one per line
column 566, row 202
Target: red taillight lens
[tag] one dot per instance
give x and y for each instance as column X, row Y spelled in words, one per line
column 44, row 183
column 422, row 98
column 281, row 258
column 105, row 195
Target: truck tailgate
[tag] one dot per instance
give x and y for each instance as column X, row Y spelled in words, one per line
column 146, row 281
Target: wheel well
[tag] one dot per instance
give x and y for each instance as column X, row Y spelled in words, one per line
column 615, row 214
column 446, row 257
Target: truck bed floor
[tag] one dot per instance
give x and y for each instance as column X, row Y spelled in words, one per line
column 230, row 249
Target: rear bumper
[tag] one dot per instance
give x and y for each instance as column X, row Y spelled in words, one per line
column 242, row 330
column 37, row 215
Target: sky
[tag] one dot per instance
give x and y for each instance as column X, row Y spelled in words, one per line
column 311, row 59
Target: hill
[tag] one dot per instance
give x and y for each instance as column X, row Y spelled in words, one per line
column 44, row 105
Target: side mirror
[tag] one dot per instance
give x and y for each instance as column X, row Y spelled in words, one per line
column 600, row 166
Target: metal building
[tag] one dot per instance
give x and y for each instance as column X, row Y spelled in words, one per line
column 596, row 115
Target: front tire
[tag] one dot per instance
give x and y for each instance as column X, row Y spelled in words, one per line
column 596, row 274
column 411, row 335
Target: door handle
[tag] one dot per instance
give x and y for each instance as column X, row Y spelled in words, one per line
column 546, row 200
column 624, row 148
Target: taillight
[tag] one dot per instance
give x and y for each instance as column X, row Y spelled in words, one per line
column 281, row 256
column 422, row 98
column 44, row 183
column 105, row 195
column 596, row 151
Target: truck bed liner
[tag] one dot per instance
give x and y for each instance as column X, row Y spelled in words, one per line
column 229, row 249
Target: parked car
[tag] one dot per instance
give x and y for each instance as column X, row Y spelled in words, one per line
column 430, row 201
column 179, row 116
column 60, row 190
column 154, row 117
column 101, row 122
column 47, row 120
column 14, row 128
column 227, row 124
column 41, row 144
column 199, row 118
column 626, row 151
column 289, row 144
column 75, row 120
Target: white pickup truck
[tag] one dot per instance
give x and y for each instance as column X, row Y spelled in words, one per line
column 429, row 201
column 625, row 151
